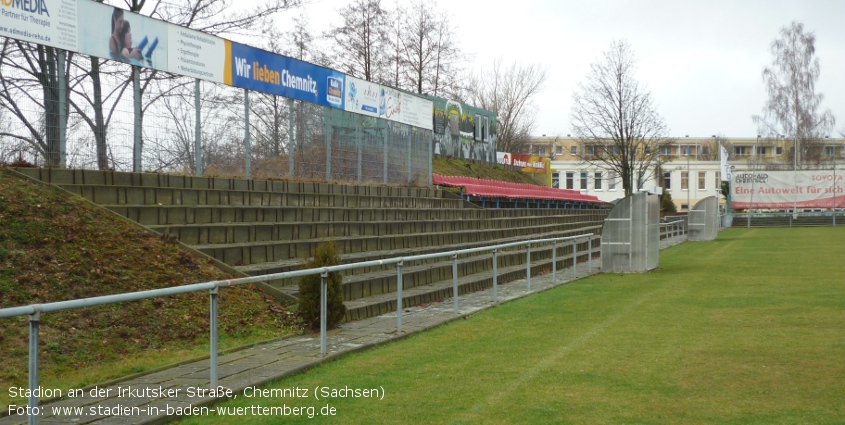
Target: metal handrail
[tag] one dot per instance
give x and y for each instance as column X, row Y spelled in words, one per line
column 34, row 311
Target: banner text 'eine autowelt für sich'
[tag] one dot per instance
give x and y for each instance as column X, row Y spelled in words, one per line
column 95, row 29
column 787, row 189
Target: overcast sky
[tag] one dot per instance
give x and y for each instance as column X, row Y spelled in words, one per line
column 701, row 60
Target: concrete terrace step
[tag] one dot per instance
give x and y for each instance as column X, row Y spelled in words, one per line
column 138, row 195
column 261, row 252
column 206, row 214
column 223, row 233
column 384, row 280
column 423, row 294
column 289, row 265
column 154, row 180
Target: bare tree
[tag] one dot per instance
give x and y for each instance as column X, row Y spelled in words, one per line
column 360, row 40
column 794, row 108
column 428, row 53
column 509, row 93
column 614, row 118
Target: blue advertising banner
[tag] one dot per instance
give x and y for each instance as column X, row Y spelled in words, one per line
column 259, row 70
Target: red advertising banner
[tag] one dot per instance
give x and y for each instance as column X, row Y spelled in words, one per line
column 528, row 163
column 787, row 189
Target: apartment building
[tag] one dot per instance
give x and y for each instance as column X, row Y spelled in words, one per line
column 689, row 167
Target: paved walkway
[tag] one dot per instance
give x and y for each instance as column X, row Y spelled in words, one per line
column 260, row 364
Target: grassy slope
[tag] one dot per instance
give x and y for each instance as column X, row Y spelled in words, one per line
column 743, row 330
column 54, row 247
column 456, row 167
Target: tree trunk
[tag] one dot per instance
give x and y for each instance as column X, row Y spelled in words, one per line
column 99, row 120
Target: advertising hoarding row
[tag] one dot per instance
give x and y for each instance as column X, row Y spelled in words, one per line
column 787, row 189
column 113, row 33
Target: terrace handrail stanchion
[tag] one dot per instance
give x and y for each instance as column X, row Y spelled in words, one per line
column 399, row 297
column 324, row 295
column 34, row 320
column 495, row 275
column 574, row 260
column 212, row 323
column 528, row 264
column 455, row 281
column 554, row 262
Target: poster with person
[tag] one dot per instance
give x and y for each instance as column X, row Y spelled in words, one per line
column 114, row 33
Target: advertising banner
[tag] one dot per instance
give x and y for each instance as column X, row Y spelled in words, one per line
column 417, row 112
column 528, row 163
column 49, row 22
column 259, row 70
column 390, row 103
column 113, row 33
column 723, row 161
column 787, row 189
column 196, row 54
column 362, row 96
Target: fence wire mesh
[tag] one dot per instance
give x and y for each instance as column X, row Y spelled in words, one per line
column 63, row 109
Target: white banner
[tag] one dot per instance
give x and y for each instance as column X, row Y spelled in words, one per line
column 362, row 96
column 417, row 112
column 48, row 22
column 113, row 33
column 196, row 54
column 787, row 189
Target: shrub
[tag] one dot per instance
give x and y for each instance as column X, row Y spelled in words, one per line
column 666, row 203
column 309, row 289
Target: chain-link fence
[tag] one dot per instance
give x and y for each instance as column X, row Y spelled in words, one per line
column 65, row 109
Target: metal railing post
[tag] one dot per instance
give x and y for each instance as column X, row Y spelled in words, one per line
column 590, row 255
column 213, row 336
column 455, row 281
column 495, row 275
column 324, row 296
column 528, row 265
column 554, row 262
column 399, row 297
column 574, row 260
column 34, row 320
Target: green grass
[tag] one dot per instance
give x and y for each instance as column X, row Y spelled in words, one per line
column 744, row 330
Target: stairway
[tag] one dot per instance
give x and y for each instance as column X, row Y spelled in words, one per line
column 263, row 227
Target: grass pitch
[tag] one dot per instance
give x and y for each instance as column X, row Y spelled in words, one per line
column 744, row 330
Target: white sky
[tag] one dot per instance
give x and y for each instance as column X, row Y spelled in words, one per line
column 702, row 60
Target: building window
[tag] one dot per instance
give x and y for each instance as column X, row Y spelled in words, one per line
column 573, row 150
column 541, row 151
column 684, row 206
column 583, row 180
column 597, row 177
column 830, row 151
column 486, row 132
column 705, row 150
column 684, row 180
column 779, row 151
column 742, row 150
column 478, row 125
column 556, row 180
column 591, row 150
column 666, row 150
column 762, row 150
column 718, row 184
column 702, row 176
column 686, row 150
column 559, row 150
column 667, row 181
column 570, row 180
column 611, row 180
